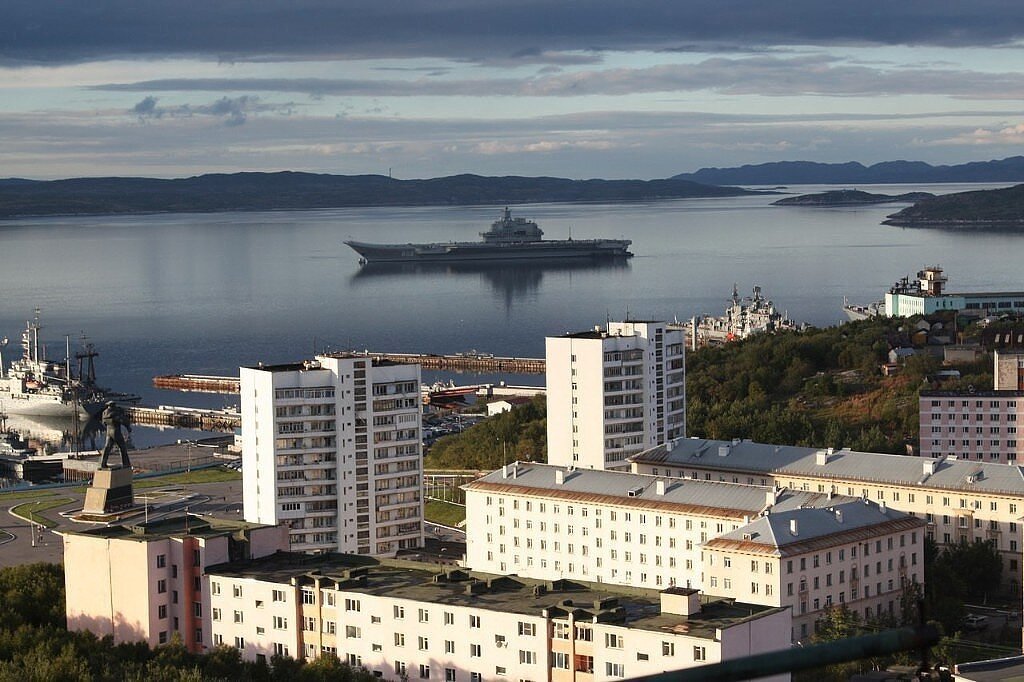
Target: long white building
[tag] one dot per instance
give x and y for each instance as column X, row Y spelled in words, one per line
column 614, row 392
column 738, row 540
column 412, row 621
column 959, row 500
column 332, row 448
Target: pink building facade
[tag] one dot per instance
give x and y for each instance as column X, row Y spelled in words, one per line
column 978, row 426
column 147, row 582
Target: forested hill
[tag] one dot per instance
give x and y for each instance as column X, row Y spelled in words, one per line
column 985, row 209
column 290, row 190
column 852, row 173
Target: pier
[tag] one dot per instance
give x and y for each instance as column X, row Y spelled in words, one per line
column 199, row 383
column 462, row 362
column 185, row 418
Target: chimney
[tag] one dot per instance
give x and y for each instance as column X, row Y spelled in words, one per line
column 669, row 445
column 559, row 477
column 793, row 528
column 515, row 469
column 839, row 515
column 930, row 465
column 723, row 450
column 504, row 471
column 821, row 457
column 881, row 506
column 771, row 497
column 680, row 601
column 659, row 487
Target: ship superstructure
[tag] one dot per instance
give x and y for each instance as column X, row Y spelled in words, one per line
column 744, row 316
column 508, row 239
column 35, row 385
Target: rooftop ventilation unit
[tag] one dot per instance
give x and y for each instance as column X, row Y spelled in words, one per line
column 635, row 492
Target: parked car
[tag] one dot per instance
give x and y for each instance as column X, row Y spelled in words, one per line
column 973, row 621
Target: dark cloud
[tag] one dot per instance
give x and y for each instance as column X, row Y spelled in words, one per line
column 815, row 74
column 55, row 31
column 233, row 111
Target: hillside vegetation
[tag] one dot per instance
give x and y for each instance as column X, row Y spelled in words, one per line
column 984, row 209
column 520, row 434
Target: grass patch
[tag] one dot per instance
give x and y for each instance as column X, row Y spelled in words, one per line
column 445, row 513
column 211, row 475
column 32, row 511
column 25, row 495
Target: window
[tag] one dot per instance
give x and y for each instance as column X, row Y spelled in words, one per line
column 669, row 649
column 449, row 618
column 353, row 632
column 236, row 591
column 351, row 604
column 161, row 560
column 239, row 642
column 280, row 623
column 424, row 615
column 527, row 657
column 423, row 643
column 162, row 612
column 560, row 660
column 400, row 668
column 238, row 616
column 700, row 653
column 527, row 629
column 399, row 612
column 474, row 621
column 474, row 650
column 449, row 646
column 614, row 669
column 612, row 641
column 161, row 586
column 449, row 675
column 424, row 672
column 399, row 639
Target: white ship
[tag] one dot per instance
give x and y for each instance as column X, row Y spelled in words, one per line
column 856, row 312
column 743, row 317
column 35, row 385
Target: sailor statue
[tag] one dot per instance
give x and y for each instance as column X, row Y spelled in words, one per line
column 113, row 419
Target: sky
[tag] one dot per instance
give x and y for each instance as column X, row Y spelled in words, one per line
column 569, row 88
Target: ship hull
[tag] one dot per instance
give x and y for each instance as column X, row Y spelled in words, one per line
column 471, row 251
column 46, row 408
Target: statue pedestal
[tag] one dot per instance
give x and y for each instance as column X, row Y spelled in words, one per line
column 111, row 491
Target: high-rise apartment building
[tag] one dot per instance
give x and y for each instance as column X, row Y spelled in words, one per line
column 332, row 448
column 614, row 392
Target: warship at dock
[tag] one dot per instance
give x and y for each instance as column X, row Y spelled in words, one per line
column 508, row 239
column 744, row 317
column 36, row 385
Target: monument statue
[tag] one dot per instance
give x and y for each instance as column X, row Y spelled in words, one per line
column 113, row 419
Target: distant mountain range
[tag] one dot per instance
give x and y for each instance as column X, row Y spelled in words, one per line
column 853, row 173
column 290, row 190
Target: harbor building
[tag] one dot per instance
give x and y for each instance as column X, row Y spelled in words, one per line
column 614, row 392
column 147, row 582
column 738, row 540
column 959, row 500
column 927, row 295
column 403, row 620
column 332, row 448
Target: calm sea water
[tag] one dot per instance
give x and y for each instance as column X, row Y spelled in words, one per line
column 205, row 293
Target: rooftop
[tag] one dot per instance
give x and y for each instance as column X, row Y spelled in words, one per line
column 709, row 498
column 842, row 523
column 847, row 465
column 172, row 527
column 630, row 607
column 1004, row 393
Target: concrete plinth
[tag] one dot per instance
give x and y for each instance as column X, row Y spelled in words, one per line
column 111, row 491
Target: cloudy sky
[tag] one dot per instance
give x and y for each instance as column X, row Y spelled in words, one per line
column 573, row 88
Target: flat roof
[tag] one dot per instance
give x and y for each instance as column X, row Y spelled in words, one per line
column 172, row 527
column 708, row 498
column 1002, row 393
column 964, row 476
column 628, row 607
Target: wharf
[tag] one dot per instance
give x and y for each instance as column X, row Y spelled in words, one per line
column 186, row 417
column 466, row 362
column 200, row 383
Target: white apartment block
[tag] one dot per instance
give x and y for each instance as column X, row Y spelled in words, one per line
column 855, row 553
column 959, row 500
column 614, row 392
column 332, row 448
column 146, row 582
column 1009, row 370
column 410, row 621
column 539, row 521
column 980, row 425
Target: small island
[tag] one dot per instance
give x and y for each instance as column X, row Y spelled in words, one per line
column 850, row 197
column 993, row 209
